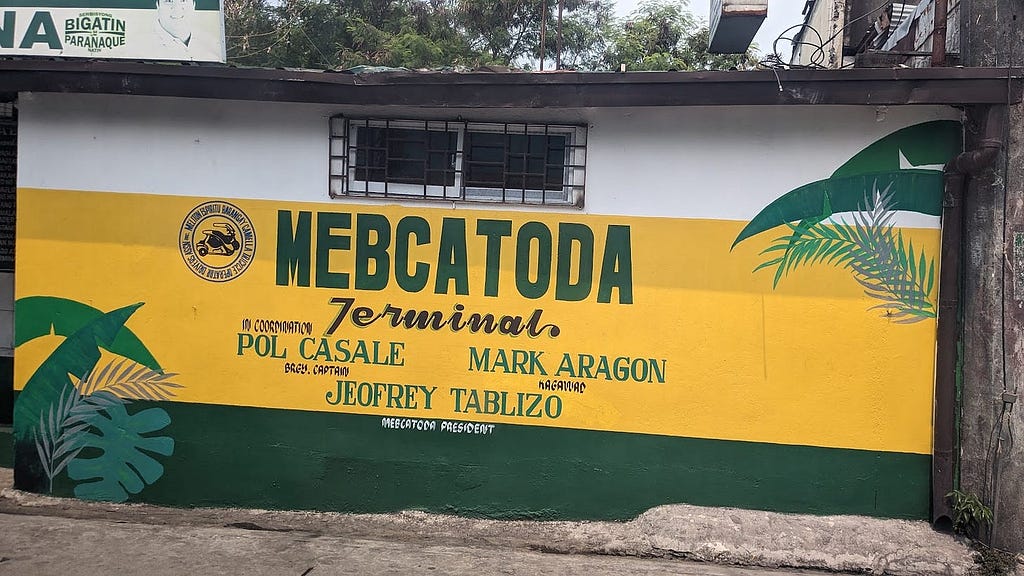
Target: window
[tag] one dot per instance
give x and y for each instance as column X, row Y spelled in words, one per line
column 439, row 160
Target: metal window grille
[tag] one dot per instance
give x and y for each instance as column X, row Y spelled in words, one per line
column 445, row 160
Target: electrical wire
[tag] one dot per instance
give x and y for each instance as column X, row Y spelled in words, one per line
column 816, row 59
column 774, row 61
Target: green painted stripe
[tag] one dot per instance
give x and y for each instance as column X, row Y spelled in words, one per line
column 263, row 458
column 100, row 4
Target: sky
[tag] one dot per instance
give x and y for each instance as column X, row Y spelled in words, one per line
column 781, row 15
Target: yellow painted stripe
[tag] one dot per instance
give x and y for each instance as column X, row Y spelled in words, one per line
column 804, row 364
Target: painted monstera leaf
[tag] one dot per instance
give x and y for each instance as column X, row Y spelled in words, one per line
column 125, row 465
column 37, row 424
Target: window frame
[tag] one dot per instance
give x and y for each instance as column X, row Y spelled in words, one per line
column 371, row 188
column 344, row 146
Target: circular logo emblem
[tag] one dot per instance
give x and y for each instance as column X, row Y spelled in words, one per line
column 217, row 241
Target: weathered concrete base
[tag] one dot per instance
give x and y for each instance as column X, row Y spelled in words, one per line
column 850, row 544
column 837, row 543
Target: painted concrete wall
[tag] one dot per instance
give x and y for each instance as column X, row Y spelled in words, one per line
column 273, row 151
column 644, row 350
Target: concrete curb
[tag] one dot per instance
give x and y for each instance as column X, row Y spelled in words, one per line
column 848, row 544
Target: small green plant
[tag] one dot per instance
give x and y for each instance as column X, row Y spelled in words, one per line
column 970, row 514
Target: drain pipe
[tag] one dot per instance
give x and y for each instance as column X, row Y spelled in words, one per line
column 957, row 172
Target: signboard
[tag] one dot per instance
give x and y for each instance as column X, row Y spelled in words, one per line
column 135, row 29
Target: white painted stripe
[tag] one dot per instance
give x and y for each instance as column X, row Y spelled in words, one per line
column 713, row 163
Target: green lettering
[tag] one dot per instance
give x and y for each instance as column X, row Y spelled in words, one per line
column 500, row 361
column 323, row 351
column 494, row 231
column 565, row 366
column 325, row 242
column 427, row 395
column 293, row 248
column 616, row 267
column 245, row 341
column 407, row 227
column 586, row 362
column 350, row 394
column 7, row 31
column 360, row 353
column 375, row 251
column 477, row 361
column 519, row 358
column 457, row 393
column 527, row 233
column 491, row 398
column 569, row 234
column 658, row 371
column 40, row 30
column 395, row 394
column 451, row 258
column 341, row 347
column 473, row 400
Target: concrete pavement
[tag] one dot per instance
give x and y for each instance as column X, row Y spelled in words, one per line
column 44, row 535
column 52, row 546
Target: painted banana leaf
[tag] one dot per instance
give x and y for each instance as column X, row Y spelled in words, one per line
column 76, row 355
column 37, row 316
column 121, row 462
column 929, row 143
column 890, row 160
column 913, row 191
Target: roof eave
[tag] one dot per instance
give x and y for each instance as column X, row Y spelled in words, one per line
column 949, row 86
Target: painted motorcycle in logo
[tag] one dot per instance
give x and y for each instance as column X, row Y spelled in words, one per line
column 221, row 239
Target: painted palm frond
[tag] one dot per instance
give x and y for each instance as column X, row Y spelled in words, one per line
column 888, row 268
column 129, row 380
column 58, row 441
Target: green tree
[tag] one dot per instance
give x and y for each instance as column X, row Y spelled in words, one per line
column 332, row 34
column 509, row 31
column 250, row 31
column 663, row 35
column 586, row 29
column 502, row 30
column 338, row 34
